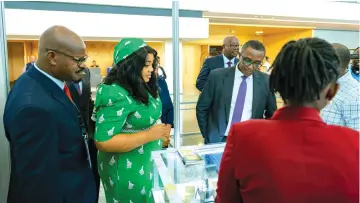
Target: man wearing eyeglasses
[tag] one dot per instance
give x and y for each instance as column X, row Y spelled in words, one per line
column 225, row 60
column 49, row 153
column 234, row 95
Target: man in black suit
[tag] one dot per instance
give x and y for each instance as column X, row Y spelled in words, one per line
column 162, row 73
column 234, row 95
column 81, row 94
column 225, row 60
column 30, row 64
column 49, row 160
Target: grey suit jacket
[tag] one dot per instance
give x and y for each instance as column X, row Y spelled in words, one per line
column 213, row 106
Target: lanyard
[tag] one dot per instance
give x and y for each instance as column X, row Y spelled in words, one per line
column 84, row 133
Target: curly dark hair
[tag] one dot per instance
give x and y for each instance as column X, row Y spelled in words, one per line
column 302, row 69
column 127, row 74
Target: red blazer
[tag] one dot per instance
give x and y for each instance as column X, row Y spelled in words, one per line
column 292, row 158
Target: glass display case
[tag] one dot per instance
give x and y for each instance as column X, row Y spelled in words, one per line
column 188, row 178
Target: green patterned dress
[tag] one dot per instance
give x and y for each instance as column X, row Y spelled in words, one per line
column 126, row 177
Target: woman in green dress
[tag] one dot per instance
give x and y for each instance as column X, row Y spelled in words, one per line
column 128, row 110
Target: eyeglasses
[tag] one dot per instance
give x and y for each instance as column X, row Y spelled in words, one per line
column 248, row 62
column 78, row 60
column 233, row 45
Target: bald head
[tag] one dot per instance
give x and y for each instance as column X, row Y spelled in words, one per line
column 32, row 59
column 62, row 53
column 61, row 39
column 344, row 55
column 231, row 47
column 229, row 39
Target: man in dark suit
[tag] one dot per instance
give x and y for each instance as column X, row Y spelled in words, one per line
column 30, row 64
column 81, row 94
column 49, row 160
column 225, row 60
column 162, row 73
column 235, row 94
column 167, row 114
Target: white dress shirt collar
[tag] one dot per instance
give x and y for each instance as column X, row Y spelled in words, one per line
column 239, row 74
column 226, row 60
column 58, row 82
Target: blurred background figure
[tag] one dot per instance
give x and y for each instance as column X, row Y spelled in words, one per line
column 355, row 65
column 30, row 64
column 267, row 64
column 344, row 109
column 167, row 116
column 161, row 72
column 94, row 65
column 225, row 60
column 298, row 157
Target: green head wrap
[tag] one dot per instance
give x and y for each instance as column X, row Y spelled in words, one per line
column 126, row 47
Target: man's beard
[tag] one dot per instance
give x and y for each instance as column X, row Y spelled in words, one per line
column 355, row 69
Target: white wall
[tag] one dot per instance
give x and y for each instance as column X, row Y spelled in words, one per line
column 104, row 25
column 347, row 38
column 322, row 9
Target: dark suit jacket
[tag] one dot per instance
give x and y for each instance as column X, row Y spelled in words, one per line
column 167, row 115
column 213, row 106
column 293, row 157
column 209, row 65
column 163, row 72
column 48, row 157
column 29, row 65
column 84, row 101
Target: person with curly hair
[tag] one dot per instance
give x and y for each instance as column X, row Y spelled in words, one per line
column 128, row 125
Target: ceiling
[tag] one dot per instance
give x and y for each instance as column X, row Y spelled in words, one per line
column 249, row 30
column 246, row 19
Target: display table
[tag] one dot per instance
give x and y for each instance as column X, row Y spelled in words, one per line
column 177, row 182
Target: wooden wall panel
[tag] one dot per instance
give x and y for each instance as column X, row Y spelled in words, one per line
column 16, row 61
column 101, row 52
column 274, row 43
column 191, row 63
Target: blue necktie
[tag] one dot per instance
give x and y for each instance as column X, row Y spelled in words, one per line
column 77, row 86
column 240, row 101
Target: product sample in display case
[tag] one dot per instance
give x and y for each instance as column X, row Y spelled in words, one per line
column 191, row 179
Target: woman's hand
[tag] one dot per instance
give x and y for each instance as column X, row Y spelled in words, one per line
column 158, row 131
column 166, row 138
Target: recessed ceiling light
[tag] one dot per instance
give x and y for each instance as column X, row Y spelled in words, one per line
column 259, row 32
column 232, row 31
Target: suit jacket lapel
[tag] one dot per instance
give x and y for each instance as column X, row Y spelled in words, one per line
column 256, row 93
column 64, row 100
column 221, row 62
column 228, row 84
column 54, row 90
